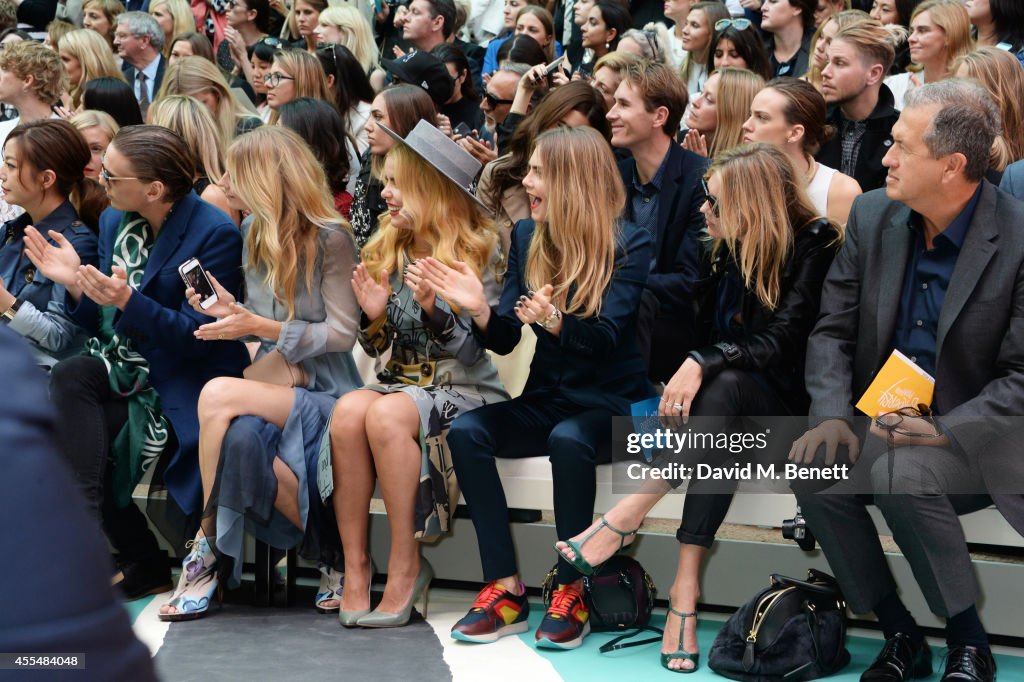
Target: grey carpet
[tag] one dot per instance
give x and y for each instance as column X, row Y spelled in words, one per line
column 241, row 642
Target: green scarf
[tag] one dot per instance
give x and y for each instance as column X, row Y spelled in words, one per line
column 146, row 433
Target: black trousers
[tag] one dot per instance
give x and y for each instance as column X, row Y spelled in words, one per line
column 89, row 417
column 575, row 439
column 723, row 402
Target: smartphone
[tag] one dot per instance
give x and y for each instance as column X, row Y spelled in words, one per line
column 463, row 130
column 194, row 276
column 550, row 68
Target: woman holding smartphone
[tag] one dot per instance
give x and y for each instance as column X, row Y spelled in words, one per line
column 757, row 303
column 259, row 475
column 575, row 275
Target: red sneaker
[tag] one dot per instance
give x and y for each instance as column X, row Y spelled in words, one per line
column 566, row 622
column 496, row 613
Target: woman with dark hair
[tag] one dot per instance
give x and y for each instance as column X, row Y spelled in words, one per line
column 115, row 97
column 739, row 48
column 42, row 174
column 191, row 44
column 399, row 108
column 999, row 23
column 248, row 23
column 129, row 402
column 501, row 183
column 301, row 23
column 464, row 106
column 257, row 68
column 606, row 21
column 897, row 12
column 790, row 114
column 323, row 129
column 522, row 49
column 351, row 87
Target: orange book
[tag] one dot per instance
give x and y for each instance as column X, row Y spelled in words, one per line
column 900, row 383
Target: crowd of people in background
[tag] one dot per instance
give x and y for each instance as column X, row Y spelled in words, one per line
column 717, row 202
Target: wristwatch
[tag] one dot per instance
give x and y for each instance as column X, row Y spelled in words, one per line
column 552, row 319
column 12, row 311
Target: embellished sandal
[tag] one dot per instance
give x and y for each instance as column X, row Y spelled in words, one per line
column 681, row 654
column 332, row 582
column 198, row 585
column 581, row 564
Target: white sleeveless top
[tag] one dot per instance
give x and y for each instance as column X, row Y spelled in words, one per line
column 817, row 188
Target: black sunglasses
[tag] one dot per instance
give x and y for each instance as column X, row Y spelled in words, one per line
column 710, row 198
column 494, row 101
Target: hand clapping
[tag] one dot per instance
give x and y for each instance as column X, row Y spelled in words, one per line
column 372, row 296
column 422, row 292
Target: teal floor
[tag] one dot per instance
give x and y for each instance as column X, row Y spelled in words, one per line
column 587, row 664
column 136, row 607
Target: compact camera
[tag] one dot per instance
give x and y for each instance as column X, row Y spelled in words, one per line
column 796, row 529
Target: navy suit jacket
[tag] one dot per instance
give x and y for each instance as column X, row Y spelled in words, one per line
column 130, row 73
column 680, row 224
column 56, row 568
column 594, row 362
column 161, row 323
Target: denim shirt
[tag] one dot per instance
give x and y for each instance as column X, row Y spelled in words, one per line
column 42, row 318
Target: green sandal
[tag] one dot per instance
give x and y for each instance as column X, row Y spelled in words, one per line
column 581, row 564
column 680, row 653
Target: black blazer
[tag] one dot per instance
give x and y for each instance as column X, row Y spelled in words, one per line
column 774, row 341
column 593, row 362
column 680, row 225
column 868, row 171
column 130, row 75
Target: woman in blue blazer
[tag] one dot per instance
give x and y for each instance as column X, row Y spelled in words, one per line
column 131, row 397
column 575, row 274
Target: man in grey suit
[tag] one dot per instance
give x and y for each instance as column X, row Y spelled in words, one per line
column 933, row 265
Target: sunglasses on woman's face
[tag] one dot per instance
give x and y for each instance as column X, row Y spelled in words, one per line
column 710, row 198
column 738, row 24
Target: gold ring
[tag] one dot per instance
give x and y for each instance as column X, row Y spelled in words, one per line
column 220, row 337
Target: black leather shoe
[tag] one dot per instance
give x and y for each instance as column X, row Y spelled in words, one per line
column 969, row 664
column 900, row 659
column 143, row 579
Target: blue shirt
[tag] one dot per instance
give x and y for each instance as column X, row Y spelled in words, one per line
column 644, row 203
column 925, row 284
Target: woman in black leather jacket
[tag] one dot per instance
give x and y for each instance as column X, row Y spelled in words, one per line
column 757, row 304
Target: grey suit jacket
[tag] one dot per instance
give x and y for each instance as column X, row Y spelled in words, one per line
column 979, row 367
column 1013, row 180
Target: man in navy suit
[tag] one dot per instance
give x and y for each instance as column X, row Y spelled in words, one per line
column 663, row 196
column 56, row 569
column 139, row 41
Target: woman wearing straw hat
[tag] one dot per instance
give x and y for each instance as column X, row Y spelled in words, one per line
column 575, row 274
column 397, row 429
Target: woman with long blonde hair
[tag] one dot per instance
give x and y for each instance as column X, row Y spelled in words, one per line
column 757, row 303
column 940, row 31
column 716, row 116
column 1000, row 73
column 345, row 25
column 259, row 436
column 174, row 17
column 575, row 274
column 200, row 78
column 192, row 121
column 86, row 55
column 395, row 431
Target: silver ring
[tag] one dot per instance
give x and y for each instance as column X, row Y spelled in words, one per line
column 677, row 406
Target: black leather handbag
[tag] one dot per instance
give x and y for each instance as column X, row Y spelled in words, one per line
column 793, row 630
column 619, row 597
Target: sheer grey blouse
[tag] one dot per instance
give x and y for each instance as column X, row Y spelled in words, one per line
column 323, row 331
